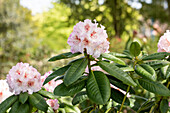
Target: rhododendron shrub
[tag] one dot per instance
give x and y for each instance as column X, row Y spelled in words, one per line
column 98, row 80
column 25, row 82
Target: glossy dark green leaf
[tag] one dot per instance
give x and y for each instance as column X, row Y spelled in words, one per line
column 118, row 96
column 127, row 69
column 98, row 87
column 4, row 106
column 154, row 87
column 135, row 49
column 120, row 55
column 38, row 101
column 79, row 97
column 75, row 71
column 23, row 97
column 64, row 56
column 146, row 71
column 164, row 71
column 113, row 58
column 56, row 73
column 156, row 56
column 24, row 108
column 47, row 94
column 145, row 106
column 15, row 107
column 63, row 90
column 158, row 64
column 164, row 106
column 117, row 72
column 114, row 81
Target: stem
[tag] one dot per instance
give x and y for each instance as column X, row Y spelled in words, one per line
column 124, row 99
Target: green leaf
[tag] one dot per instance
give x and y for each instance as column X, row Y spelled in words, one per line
column 56, row 73
column 154, row 87
column 47, row 94
column 98, row 87
column 158, row 64
column 135, row 49
column 120, row 55
column 79, row 97
column 24, row 108
column 113, row 58
column 117, row 72
column 75, row 71
column 119, row 84
column 165, row 71
column 64, row 56
column 146, row 71
column 164, row 106
column 63, row 90
column 118, row 97
column 4, row 106
column 38, row 101
column 156, row 56
column 23, row 97
column 127, row 69
column 145, row 106
column 15, row 107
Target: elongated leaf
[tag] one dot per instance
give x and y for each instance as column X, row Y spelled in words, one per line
column 15, row 107
column 56, row 73
column 63, row 90
column 168, row 72
column 8, row 103
column 47, row 94
column 79, row 97
column 158, row 64
column 114, row 81
column 75, row 71
column 156, row 56
column 146, row 71
column 154, row 87
column 127, row 69
column 145, row 106
column 135, row 49
column 118, row 96
column 24, row 108
column 120, row 55
column 113, row 58
column 98, row 87
column 117, row 72
column 38, row 101
column 64, row 56
column 164, row 71
column 164, row 106
column 23, row 97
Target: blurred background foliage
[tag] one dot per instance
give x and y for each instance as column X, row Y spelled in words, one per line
column 25, row 37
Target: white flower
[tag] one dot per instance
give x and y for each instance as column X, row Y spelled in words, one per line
column 87, row 35
column 53, row 103
column 50, row 86
column 164, row 42
column 24, row 78
column 4, row 90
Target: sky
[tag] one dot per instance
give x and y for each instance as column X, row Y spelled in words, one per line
column 38, row 6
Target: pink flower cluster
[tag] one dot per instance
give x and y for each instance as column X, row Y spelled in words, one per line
column 50, row 86
column 164, row 42
column 86, row 35
column 4, row 90
column 24, row 78
column 53, row 103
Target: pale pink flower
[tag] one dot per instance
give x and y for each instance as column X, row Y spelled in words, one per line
column 4, row 90
column 87, row 35
column 53, row 103
column 164, row 42
column 50, row 86
column 24, row 78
